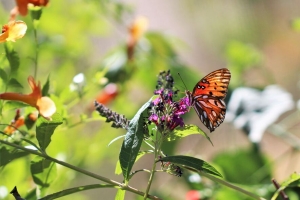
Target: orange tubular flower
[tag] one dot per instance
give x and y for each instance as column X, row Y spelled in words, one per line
column 136, row 30
column 44, row 105
column 12, row 31
column 22, row 6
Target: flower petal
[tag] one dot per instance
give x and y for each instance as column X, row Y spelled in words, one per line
column 16, row 30
column 46, row 107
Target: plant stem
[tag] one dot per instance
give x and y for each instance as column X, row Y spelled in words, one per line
column 215, row 179
column 36, row 53
column 96, row 176
column 156, row 153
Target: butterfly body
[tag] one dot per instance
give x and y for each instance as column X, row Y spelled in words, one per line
column 208, row 97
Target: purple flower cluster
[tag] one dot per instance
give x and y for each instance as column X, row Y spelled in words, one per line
column 164, row 111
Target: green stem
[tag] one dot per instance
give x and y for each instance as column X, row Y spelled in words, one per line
column 36, row 53
column 96, row 176
column 156, row 153
column 215, row 179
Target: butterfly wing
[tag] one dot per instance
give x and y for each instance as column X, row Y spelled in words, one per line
column 208, row 96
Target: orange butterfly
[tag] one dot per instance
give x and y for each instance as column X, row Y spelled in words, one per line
column 208, row 97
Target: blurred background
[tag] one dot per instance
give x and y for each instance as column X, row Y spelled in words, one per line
column 112, row 51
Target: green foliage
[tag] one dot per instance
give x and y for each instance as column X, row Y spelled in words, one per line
column 181, row 132
column 45, row 129
column 43, row 172
column 132, row 142
column 192, row 163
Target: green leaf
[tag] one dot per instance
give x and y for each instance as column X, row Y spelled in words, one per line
column 132, row 142
column 12, row 57
column 12, row 105
column 43, row 171
column 293, row 180
column 31, row 195
column 46, row 86
column 7, row 155
column 74, row 190
column 192, row 163
column 45, row 129
column 181, row 132
column 3, row 75
column 120, row 195
column 118, row 169
column 14, row 83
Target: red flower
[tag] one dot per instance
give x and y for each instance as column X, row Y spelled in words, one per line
column 12, row 31
column 44, row 105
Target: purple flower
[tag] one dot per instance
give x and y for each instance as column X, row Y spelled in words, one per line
column 164, row 111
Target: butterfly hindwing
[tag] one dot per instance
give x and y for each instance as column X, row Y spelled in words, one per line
column 208, row 96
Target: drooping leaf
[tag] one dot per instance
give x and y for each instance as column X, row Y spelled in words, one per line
column 14, row 83
column 73, row 190
column 43, row 171
column 192, row 163
column 120, row 195
column 12, row 57
column 46, row 86
column 181, row 132
column 132, row 142
column 292, row 181
column 7, row 155
column 45, row 129
column 3, row 75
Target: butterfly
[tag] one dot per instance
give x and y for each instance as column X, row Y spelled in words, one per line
column 208, row 97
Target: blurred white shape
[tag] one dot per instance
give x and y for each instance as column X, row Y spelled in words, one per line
column 3, row 192
column 31, row 147
column 195, row 178
column 79, row 78
column 78, row 82
column 259, row 108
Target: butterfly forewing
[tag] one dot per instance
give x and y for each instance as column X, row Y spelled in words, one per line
column 208, row 96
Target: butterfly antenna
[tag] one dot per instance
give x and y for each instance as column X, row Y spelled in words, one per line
column 182, row 81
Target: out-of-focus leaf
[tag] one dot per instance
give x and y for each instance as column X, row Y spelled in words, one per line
column 296, row 24
column 11, row 105
column 181, row 132
column 46, row 86
column 45, row 129
column 12, row 57
column 292, row 181
column 14, row 83
column 3, row 75
column 43, row 171
column 31, row 195
column 192, row 163
column 7, row 155
column 120, row 195
column 74, row 190
column 132, row 142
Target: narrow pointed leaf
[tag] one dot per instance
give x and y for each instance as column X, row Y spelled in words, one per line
column 181, row 132
column 46, row 86
column 45, row 129
column 192, row 163
column 14, row 83
column 115, row 139
column 132, row 142
column 43, row 171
